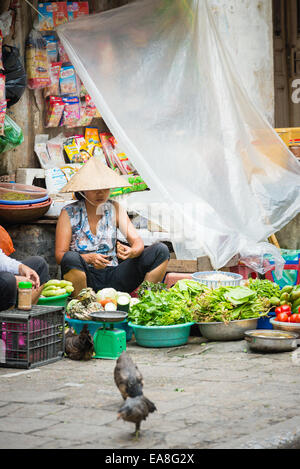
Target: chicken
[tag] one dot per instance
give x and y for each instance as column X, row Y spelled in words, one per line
column 129, row 381
column 79, row 347
column 136, row 409
column 127, row 377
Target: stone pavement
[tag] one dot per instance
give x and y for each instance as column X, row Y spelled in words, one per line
column 208, row 395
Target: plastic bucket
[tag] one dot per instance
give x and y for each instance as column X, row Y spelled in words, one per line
column 60, row 300
column 264, row 322
column 93, row 326
column 161, row 336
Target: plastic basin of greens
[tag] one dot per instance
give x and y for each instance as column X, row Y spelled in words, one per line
column 93, row 326
column 207, row 278
column 60, row 300
column 161, row 336
column 226, row 332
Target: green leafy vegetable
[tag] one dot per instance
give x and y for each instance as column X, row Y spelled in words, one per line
column 162, row 308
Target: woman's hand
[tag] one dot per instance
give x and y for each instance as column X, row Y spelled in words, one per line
column 124, row 252
column 26, row 273
column 99, row 261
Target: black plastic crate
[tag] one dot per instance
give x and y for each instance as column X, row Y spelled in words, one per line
column 31, row 338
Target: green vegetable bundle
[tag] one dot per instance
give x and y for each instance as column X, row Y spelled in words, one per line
column 162, row 308
column 288, row 295
column 227, row 304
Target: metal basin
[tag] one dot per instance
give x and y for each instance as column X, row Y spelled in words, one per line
column 109, row 316
column 268, row 341
column 221, row 332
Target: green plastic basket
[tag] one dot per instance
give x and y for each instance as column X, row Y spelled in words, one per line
column 60, row 300
column 161, row 336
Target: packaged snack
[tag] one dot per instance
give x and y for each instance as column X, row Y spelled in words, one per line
column 52, row 48
column 92, row 135
column 53, row 111
column 98, row 153
column 82, row 89
column 37, row 63
column 73, row 152
column 111, row 158
column 62, row 55
column 40, row 148
column 77, row 9
column 53, row 89
column 1, row 44
column 52, row 14
column 71, row 114
column 3, row 107
column 67, row 80
column 87, row 111
column 2, row 87
column 56, row 151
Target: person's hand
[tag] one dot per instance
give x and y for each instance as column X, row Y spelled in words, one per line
column 99, row 261
column 28, row 275
column 124, row 252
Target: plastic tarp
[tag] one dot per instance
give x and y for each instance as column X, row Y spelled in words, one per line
column 221, row 179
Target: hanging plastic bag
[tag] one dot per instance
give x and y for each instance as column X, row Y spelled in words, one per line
column 15, row 75
column 169, row 91
column 13, row 135
column 262, row 258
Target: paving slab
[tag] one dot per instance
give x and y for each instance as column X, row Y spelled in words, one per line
column 208, row 395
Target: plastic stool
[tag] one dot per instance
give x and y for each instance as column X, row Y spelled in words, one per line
column 173, row 278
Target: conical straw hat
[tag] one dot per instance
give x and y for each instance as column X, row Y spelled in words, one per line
column 95, row 175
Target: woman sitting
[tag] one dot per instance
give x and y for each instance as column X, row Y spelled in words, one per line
column 86, row 237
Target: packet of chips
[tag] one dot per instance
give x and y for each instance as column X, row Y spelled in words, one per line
column 53, row 111
column 3, row 107
column 1, row 44
column 53, row 89
column 67, row 80
column 71, row 114
column 37, row 62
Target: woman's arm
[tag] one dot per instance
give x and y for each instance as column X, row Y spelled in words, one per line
column 63, row 236
column 129, row 232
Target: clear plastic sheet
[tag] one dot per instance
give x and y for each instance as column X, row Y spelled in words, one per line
column 220, row 177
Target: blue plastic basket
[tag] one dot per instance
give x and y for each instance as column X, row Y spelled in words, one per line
column 264, row 322
column 93, row 326
column 206, row 279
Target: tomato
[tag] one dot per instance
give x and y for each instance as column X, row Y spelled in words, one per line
column 107, row 300
column 283, row 317
column 295, row 318
column 278, row 310
column 286, row 309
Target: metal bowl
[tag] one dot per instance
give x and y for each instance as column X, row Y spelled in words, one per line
column 268, row 341
column 285, row 326
column 221, row 332
column 109, row 316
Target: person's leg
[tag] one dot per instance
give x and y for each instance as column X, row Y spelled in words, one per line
column 151, row 265
column 8, row 291
column 74, row 269
column 40, row 266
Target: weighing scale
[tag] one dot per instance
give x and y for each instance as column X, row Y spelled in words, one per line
column 109, row 342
